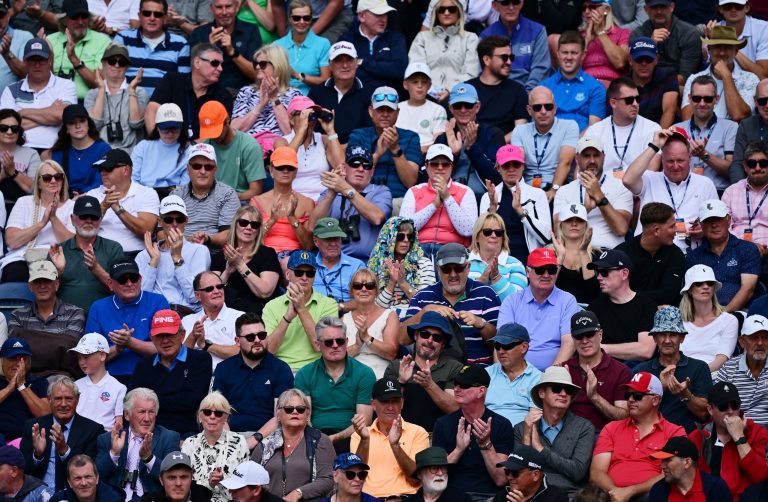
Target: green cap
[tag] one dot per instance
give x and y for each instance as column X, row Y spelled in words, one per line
column 432, row 456
column 327, row 228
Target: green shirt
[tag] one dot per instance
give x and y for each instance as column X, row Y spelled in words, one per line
column 296, row 351
column 78, row 285
column 240, row 162
column 334, row 403
column 88, row 50
column 247, row 15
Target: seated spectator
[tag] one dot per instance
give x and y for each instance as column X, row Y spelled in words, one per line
column 215, row 442
column 443, row 210
column 658, row 264
column 160, row 160
column 427, row 375
column 84, row 483
column 285, row 226
column 607, row 201
column 47, row 313
column 101, row 395
column 20, row 163
column 317, row 152
column 371, row 329
column 712, row 332
column 347, row 487
column 607, row 44
column 551, row 344
column 134, row 206
column 126, row 317
column 545, row 168
column 37, row 221
column 737, row 97
column 42, row 111
column 736, row 262
column 530, row 484
column 679, row 459
column 391, row 462
column 290, row 319
column 252, row 380
column 249, row 269
column 751, row 57
column 432, row 471
column 49, row 441
column 446, row 47
column 335, row 269
column 240, row 156
column 621, row 464
column 211, row 328
column 601, row 376
column 25, row 394
column 470, row 303
column 657, row 85
column 565, row 440
column 572, row 244
column 489, row 258
column 10, row 70
column 259, row 14
column 512, row 375
column 525, row 212
column 248, row 483
column 473, row 454
column 169, row 266
column 749, row 130
column 177, row 480
column 686, row 381
column 501, row 92
column 742, row 196
column 262, row 107
column 418, row 114
column 307, row 51
column 579, row 95
column 310, row 475
column 360, row 206
column 16, row 481
column 210, row 205
column 738, row 443
column 398, row 262
column 117, row 107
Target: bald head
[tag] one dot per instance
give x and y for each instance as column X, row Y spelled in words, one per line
column 540, row 93
column 762, row 92
column 541, row 107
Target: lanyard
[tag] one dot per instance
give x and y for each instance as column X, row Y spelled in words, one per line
column 709, row 135
column 669, row 191
column 328, row 286
column 626, row 145
column 581, row 190
column 750, row 214
column 540, row 157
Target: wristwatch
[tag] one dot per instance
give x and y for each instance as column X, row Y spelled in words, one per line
column 740, row 441
column 555, row 187
column 120, row 210
column 178, row 262
column 705, row 157
column 602, row 202
column 79, row 66
column 398, row 153
column 277, row 102
column 350, row 194
column 295, row 224
column 258, row 436
column 21, row 387
column 207, row 345
column 13, row 176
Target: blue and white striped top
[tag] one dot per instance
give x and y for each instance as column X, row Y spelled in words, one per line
column 511, row 270
column 169, row 56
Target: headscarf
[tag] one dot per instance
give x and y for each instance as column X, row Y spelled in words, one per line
column 385, row 248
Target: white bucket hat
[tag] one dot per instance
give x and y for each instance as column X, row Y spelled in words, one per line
column 699, row 273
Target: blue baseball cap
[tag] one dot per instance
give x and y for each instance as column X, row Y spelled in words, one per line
column 13, row 347
column 643, row 47
column 432, row 319
column 511, row 332
column 12, row 456
column 358, row 153
column 463, row 93
column 301, row 257
column 347, row 460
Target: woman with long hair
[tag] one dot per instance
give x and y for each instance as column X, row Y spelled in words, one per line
column 572, row 244
column 607, row 45
column 489, row 258
column 18, row 163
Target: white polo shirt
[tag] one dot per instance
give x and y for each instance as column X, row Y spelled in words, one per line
column 117, row 13
column 220, row 331
column 616, row 138
column 101, row 402
column 139, row 199
column 618, row 196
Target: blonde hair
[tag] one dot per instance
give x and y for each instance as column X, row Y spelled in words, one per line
column 299, row 4
column 63, row 191
column 232, row 241
column 474, row 246
column 369, row 273
column 560, row 237
column 215, row 401
column 278, row 56
column 459, row 22
column 687, row 310
column 609, row 22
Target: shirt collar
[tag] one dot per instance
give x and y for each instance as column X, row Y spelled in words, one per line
column 120, row 305
column 180, row 357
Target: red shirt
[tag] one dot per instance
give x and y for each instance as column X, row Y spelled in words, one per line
column 695, row 494
column 630, row 460
column 610, row 374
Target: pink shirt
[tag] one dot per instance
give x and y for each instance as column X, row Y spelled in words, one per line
column 596, row 61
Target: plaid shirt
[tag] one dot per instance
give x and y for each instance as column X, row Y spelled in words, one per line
column 735, row 197
column 66, row 319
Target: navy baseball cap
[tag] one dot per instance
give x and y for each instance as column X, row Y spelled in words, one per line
column 347, row 460
column 359, row 153
column 511, row 332
column 15, row 346
column 432, row 319
column 301, row 257
column 643, row 47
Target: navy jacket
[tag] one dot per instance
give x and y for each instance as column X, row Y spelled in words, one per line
column 384, row 61
column 715, row 489
column 478, row 164
column 350, row 113
column 104, row 493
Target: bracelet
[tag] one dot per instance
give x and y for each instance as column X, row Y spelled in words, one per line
column 486, row 447
column 286, row 320
column 333, row 137
column 654, row 147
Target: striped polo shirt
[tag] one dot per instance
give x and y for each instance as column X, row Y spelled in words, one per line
column 753, row 392
column 169, row 56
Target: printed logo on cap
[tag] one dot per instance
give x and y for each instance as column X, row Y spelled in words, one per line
column 546, row 254
column 159, row 320
column 354, row 458
column 36, row 45
column 358, row 150
column 88, row 204
column 207, row 121
column 573, row 209
column 642, row 44
column 726, row 389
column 18, row 345
column 329, row 223
column 238, row 474
column 175, row 456
column 583, row 320
column 637, row 377
column 390, row 385
column 758, row 321
column 603, row 255
column 304, row 255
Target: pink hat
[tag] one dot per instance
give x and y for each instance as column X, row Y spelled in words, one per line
column 508, row 153
column 299, row 104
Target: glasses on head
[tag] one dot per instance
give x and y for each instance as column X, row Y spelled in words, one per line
column 628, row 100
column 557, row 388
column 154, row 13
column 213, row 62
column 462, row 106
column 134, row 278
column 707, row 99
column 547, row 106
column 357, row 164
column 505, row 58
column 452, row 268
column 209, row 289
column 242, row 223
column 753, row 163
column 48, row 177
column 493, row 231
column 762, row 101
column 439, row 164
column 378, row 98
column 215, row 413
column 88, row 217
column 297, row 19
column 361, row 475
column 13, row 128
column 333, row 342
column 730, row 405
column 583, row 335
column 548, row 269
column 426, row 335
column 636, row 395
column 284, row 169
column 251, row 337
column 298, row 409
column 404, row 236
column 450, row 9
column 506, row 346
column 357, row 286
column 514, row 473
column 178, row 219
column 115, row 61
column 301, row 273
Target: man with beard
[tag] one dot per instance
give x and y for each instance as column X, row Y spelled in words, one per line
column 252, row 380
column 525, row 478
column 432, row 471
column 682, row 478
column 82, row 261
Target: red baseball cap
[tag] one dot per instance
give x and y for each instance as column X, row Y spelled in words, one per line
column 645, row 382
column 165, row 322
column 679, row 131
column 541, row 257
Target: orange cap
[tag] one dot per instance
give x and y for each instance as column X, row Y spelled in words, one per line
column 284, row 156
column 212, row 117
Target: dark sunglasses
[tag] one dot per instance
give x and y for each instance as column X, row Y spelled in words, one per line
column 636, row 395
column 48, row 177
column 107, row 169
column 762, row 101
column 298, row 409
column 215, row 413
column 426, row 335
column 493, row 231
column 557, row 388
column 306, row 19
column 284, row 169
column 549, row 269
column 262, row 65
column 507, row 2
column 707, row 99
column 547, row 106
column 213, row 62
column 155, row 14
column 115, row 61
column 452, row 268
column 628, row 100
column 605, row 272
column 378, row 98
column 437, row 163
column 13, row 128
column 357, row 286
column 451, row 9
column 505, row 346
column 302, row 273
column 732, row 6
column 209, row 289
column 242, row 222
column 753, row 163
column 134, row 278
column 711, row 284
column 582, row 336
column 732, row 405
column 402, row 236
column 89, row 217
column 331, row 342
column 515, row 473
column 466, row 386
column 463, row 106
column 644, row 60
column 208, row 167
column 178, row 219
column 505, row 58
column 251, row 337
column 356, row 164
column 361, row 475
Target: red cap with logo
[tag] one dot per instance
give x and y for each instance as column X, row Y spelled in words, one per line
column 165, row 322
column 541, row 257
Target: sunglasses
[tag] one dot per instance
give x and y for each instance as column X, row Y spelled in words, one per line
column 463, row 106
column 122, row 63
column 505, row 58
column 507, row 2
column 557, row 388
column 426, row 335
column 155, row 14
column 438, row 164
column 209, row 289
column 452, row 268
column 505, row 346
column 466, row 386
column 378, row 98
column 251, row 337
column 89, row 217
column 644, row 60
column 242, row 222
column 707, row 99
column 451, row 9
column 79, row 17
column 547, row 106
column 753, row 163
column 361, row 475
column 711, row 284
column 514, row 473
column 134, row 278
column 605, row 272
column 298, row 409
column 402, row 236
column 762, row 101
column 306, row 19
column 357, row 286
column 165, row 129
column 208, row 167
column 493, row 231
column 332, row 342
column 48, row 177
column 262, row 65
column 178, row 219
column 591, row 6
column 13, row 128
column 301, row 273
column 637, row 396
column 216, row 413
column 628, row 100
column 549, row 269
column 284, row 169
column 357, row 164
column 213, row 62
column 584, row 335
column 730, row 405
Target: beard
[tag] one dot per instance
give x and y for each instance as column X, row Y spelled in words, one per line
column 435, row 485
column 86, row 234
column 255, row 356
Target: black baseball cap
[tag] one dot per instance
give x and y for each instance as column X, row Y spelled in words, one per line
column 87, row 205
column 678, row 446
column 386, row 388
column 473, row 375
column 122, row 267
column 113, row 159
column 723, row 392
column 611, row 259
column 584, row 321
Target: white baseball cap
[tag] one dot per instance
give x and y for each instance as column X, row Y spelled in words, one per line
column 91, row 343
column 377, row 7
column 202, row 150
column 439, row 150
column 588, row 142
column 173, row 204
column 249, row 473
column 340, row 48
column 415, row 68
column 169, row 112
column 753, row 324
column 713, row 208
column 699, row 273
column 569, row 211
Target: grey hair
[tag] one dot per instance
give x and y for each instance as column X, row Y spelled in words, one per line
column 63, row 381
column 288, row 394
column 329, row 322
column 140, row 393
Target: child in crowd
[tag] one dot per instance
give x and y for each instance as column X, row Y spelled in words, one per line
column 425, row 118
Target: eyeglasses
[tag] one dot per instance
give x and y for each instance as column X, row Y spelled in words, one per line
column 514, row 473
column 213, row 62
column 732, row 6
column 628, row 100
column 507, row 2
column 711, row 284
column 301, row 273
column 762, row 101
column 48, row 177
column 378, row 98
column 439, row 164
column 605, row 272
column 549, row 269
column 707, row 99
column 466, row 386
column 426, row 335
column 284, row 169
column 730, row 405
column 261, row 65
column 493, row 231
column 251, row 337
column 451, row 9
column 644, row 60
column 584, row 335
column 505, row 58
column 753, row 163
column 115, row 61
column 547, row 106
column 557, row 388
column 13, row 128
column 357, row 286
column 242, row 223
column 306, row 19
column 196, row 166
column 298, row 409
column 89, row 217
column 636, row 395
column 463, row 106
column 134, row 278
column 178, row 219
column 452, row 268
column 154, row 13
column 331, row 342
column 403, row 236
column 357, row 164
column 215, row 413
column 361, row 475
column 505, row 346
column 209, row 289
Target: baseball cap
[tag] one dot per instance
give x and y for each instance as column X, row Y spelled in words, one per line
column 584, row 321
column 202, row 150
column 87, row 205
column 116, row 50
column 122, row 267
column 169, row 115
column 299, row 258
column 377, row 7
column 723, row 392
column 439, row 150
column 386, row 388
column 463, row 93
column 91, row 343
column 415, row 68
column 249, row 473
column 679, row 131
column 212, row 116
column 37, row 47
column 473, row 375
column 452, row 253
column 42, row 269
column 611, row 259
column 340, row 48
column 740, row 2
column 652, row 3
column 523, row 457
column 643, row 47
column 347, row 460
column 175, row 459
column 432, row 319
column 165, row 321
column 173, row 204
column 645, row 382
column 713, row 208
column 113, row 159
column 678, row 446
column 300, row 103
column 509, row 153
column 541, row 257
column 754, row 324
column 511, row 332
column 385, row 96
column 73, row 8
column 13, row 347
column 73, row 112
column 12, row 456
column 589, row 142
column 360, row 153
column 572, row 211
column 284, row 156
column 328, row 228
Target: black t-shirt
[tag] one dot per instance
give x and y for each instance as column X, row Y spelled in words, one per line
column 573, row 282
column 502, row 104
column 622, row 322
column 14, row 410
column 237, row 294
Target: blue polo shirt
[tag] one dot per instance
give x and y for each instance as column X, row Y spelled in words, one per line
column 577, row 98
column 478, row 298
column 546, row 322
column 169, row 56
column 511, row 398
column 528, row 40
column 251, row 391
column 739, row 257
column 109, row 314
column 542, row 151
column 334, row 282
column 307, row 57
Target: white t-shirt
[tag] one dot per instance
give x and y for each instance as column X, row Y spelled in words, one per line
column 718, row 337
column 101, row 402
column 22, row 216
column 138, row 199
column 312, row 162
column 619, row 197
column 614, row 145
column 427, row 120
column 117, row 13
column 220, row 331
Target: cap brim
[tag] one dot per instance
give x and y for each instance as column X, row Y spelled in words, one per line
column 343, row 53
column 380, row 11
column 89, row 213
column 164, row 331
column 581, row 331
column 36, row 53
column 233, row 483
column 331, row 234
column 661, row 455
column 643, row 53
column 17, row 352
column 388, row 104
column 169, row 125
column 512, row 465
column 210, row 132
column 389, row 395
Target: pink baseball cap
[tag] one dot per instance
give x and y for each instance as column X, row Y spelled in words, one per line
column 509, row 153
column 300, row 103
